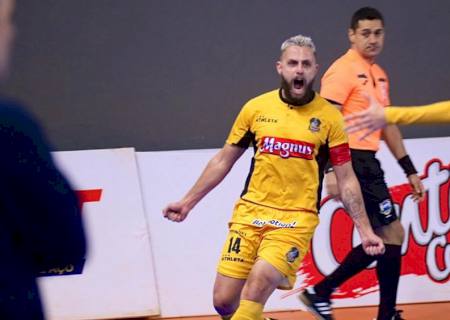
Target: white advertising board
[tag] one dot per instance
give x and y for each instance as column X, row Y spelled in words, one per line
column 117, row 279
column 186, row 254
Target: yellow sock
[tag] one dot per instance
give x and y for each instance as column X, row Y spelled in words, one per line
column 248, row 310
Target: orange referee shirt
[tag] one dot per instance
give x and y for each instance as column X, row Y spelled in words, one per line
column 348, row 81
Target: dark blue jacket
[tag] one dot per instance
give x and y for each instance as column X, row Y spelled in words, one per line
column 40, row 220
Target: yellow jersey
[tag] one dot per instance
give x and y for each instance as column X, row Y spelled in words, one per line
column 289, row 142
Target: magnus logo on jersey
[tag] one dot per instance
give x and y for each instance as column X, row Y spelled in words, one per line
column 286, row 148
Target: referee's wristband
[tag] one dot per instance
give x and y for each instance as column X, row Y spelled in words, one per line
column 407, row 165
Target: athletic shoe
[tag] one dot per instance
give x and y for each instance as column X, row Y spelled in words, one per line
column 396, row 315
column 319, row 306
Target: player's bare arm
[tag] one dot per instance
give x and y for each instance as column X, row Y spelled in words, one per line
column 214, row 172
column 352, row 199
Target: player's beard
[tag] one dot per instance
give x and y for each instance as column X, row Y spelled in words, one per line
column 286, row 87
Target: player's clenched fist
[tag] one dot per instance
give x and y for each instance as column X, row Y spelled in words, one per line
column 175, row 212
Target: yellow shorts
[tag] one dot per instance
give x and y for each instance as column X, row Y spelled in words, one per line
column 282, row 247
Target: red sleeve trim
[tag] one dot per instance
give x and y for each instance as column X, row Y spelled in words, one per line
column 340, row 154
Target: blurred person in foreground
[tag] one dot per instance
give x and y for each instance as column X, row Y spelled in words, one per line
column 40, row 221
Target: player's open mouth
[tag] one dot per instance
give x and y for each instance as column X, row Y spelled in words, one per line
column 298, row 83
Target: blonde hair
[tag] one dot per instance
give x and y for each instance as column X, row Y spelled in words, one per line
column 300, row 41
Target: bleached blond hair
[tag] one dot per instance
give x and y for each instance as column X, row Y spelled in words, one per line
column 300, row 41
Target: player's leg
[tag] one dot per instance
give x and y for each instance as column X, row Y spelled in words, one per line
column 226, row 296
column 388, row 268
column 236, row 261
column 386, row 224
column 317, row 298
column 262, row 281
column 279, row 256
column 371, row 178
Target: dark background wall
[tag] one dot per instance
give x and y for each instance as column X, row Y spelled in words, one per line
column 173, row 74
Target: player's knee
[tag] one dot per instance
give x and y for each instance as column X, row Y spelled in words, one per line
column 225, row 305
column 392, row 233
column 259, row 288
column 401, row 235
column 398, row 233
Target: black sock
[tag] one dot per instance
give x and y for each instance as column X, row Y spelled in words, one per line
column 353, row 263
column 388, row 272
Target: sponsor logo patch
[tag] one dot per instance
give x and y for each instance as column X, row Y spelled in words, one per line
column 274, row 222
column 292, row 255
column 386, row 207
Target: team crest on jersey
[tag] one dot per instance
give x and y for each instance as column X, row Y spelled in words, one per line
column 314, row 124
column 292, row 255
column 386, row 207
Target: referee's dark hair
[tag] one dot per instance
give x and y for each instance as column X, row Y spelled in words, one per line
column 365, row 13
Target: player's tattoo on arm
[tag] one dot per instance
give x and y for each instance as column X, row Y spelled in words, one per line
column 353, row 203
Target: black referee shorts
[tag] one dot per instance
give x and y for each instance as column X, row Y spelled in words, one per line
column 377, row 199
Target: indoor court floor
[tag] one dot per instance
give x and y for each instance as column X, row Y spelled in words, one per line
column 423, row 311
